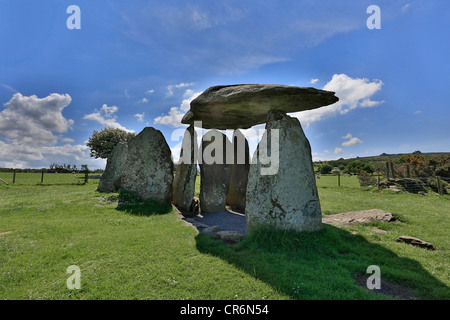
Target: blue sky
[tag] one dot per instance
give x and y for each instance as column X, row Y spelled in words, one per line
column 139, row 63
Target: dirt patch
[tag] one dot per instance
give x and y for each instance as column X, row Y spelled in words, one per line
column 358, row 217
column 390, row 289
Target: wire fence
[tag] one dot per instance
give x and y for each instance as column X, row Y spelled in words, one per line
column 420, row 185
column 46, row 178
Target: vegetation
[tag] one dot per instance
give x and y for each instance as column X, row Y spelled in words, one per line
column 103, row 142
column 129, row 249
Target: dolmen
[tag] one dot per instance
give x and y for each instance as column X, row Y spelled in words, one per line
column 278, row 187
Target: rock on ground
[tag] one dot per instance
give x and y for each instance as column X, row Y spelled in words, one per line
column 358, row 217
column 286, row 198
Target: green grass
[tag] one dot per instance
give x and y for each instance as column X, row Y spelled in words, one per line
column 145, row 251
column 27, row 178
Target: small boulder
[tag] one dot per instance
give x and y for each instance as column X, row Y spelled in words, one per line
column 416, row 242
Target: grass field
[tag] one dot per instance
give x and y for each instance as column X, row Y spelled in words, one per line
column 141, row 254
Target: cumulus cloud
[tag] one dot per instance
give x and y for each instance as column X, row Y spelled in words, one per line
column 352, row 93
column 352, row 142
column 140, row 116
column 32, row 120
column 27, row 127
column 106, row 116
column 170, row 88
column 338, row 151
column 313, row 81
column 173, row 118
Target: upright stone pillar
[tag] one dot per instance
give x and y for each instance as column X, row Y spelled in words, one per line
column 111, row 178
column 215, row 173
column 239, row 172
column 282, row 192
column 186, row 171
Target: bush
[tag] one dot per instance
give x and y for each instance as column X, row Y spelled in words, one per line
column 366, row 179
column 325, row 169
column 357, row 166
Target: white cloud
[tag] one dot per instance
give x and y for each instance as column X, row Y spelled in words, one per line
column 405, row 7
column 106, row 116
column 140, row 116
column 313, row 81
column 170, row 88
column 27, row 127
column 352, row 93
column 150, row 91
column 417, row 112
column 32, row 120
column 143, row 100
column 338, row 151
column 348, row 136
column 352, row 142
column 173, row 118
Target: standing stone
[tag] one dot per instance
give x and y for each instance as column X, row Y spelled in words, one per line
column 215, row 173
column 239, row 172
column 110, row 179
column 186, row 171
column 283, row 196
column 149, row 168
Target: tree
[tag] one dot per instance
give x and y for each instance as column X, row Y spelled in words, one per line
column 356, row 166
column 325, row 169
column 103, row 142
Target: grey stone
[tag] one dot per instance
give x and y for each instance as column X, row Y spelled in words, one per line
column 230, row 236
column 246, row 105
column 186, row 171
column 416, row 242
column 283, row 197
column 358, row 217
column 239, row 172
column 215, row 173
column 149, row 168
column 111, row 179
column 212, row 229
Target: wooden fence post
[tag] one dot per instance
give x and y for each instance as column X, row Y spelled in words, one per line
column 392, row 171
column 86, row 176
column 439, row 186
column 408, row 171
column 42, row 177
column 14, row 176
column 339, row 179
column 387, row 170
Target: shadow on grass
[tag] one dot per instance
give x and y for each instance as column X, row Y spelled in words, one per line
column 324, row 265
column 131, row 203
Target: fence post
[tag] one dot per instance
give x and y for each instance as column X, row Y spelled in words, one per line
column 392, row 171
column 42, row 177
column 439, row 186
column 387, row 170
column 86, row 177
column 408, row 171
column 339, row 179
column 14, row 176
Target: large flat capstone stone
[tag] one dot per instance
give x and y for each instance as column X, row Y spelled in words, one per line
column 246, row 105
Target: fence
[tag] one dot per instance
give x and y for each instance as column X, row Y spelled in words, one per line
column 421, row 185
column 47, row 178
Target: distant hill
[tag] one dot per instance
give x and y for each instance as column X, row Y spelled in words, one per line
column 383, row 157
